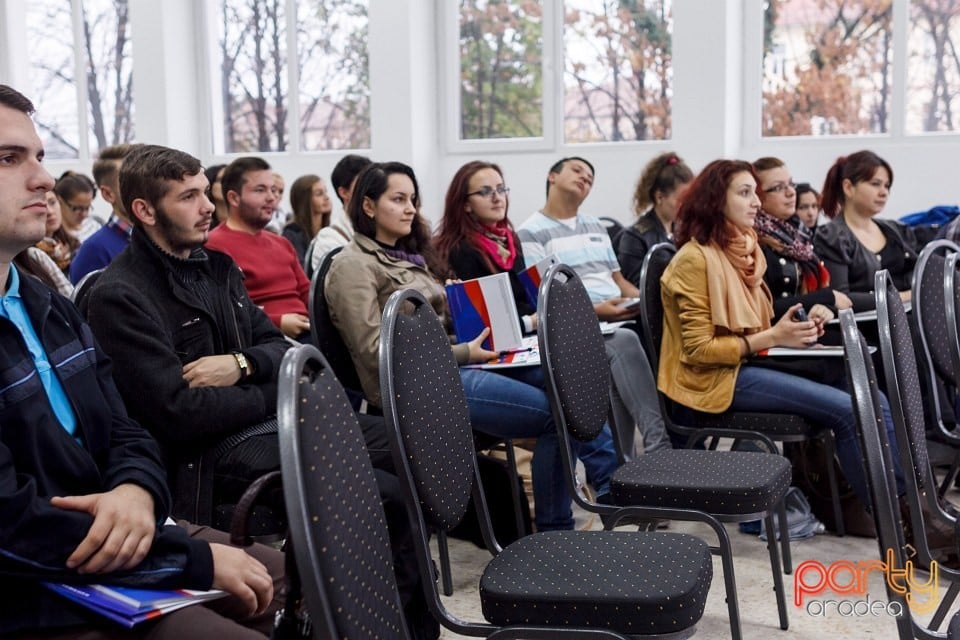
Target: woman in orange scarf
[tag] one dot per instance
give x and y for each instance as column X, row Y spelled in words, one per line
column 718, row 311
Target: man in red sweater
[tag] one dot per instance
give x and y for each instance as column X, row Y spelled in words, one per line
column 272, row 274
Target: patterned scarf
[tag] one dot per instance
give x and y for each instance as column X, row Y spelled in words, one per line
column 497, row 241
column 739, row 298
column 789, row 241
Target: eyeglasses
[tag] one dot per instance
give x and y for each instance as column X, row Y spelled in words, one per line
column 781, row 187
column 78, row 208
column 487, row 192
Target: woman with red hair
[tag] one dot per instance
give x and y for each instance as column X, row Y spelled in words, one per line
column 718, row 311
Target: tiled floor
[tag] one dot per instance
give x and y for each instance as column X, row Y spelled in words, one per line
column 754, row 583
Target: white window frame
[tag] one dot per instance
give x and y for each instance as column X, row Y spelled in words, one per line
column 212, row 131
column 753, row 91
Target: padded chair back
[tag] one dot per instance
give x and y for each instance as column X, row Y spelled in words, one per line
column 877, row 456
column 929, row 300
column 902, row 378
column 425, row 409
column 651, row 305
column 951, row 293
column 338, row 531
column 572, row 354
column 323, row 332
column 83, row 289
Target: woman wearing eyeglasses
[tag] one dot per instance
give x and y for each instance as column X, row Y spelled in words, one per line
column 794, row 272
column 857, row 242
column 476, row 238
column 76, row 193
column 655, row 201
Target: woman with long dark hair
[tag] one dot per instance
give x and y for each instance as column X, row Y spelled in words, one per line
column 857, row 242
column 391, row 250
column 311, row 207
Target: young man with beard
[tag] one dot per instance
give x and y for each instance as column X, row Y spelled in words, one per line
column 194, row 358
column 83, row 495
column 271, row 271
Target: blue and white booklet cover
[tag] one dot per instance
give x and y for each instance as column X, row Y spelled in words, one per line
column 130, row 606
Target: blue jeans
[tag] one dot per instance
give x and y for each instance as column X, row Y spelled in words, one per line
column 506, row 407
column 762, row 389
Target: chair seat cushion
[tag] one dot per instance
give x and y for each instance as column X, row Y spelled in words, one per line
column 771, row 424
column 953, row 630
column 581, row 578
column 716, row 482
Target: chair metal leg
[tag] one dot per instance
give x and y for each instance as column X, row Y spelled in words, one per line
column 729, row 580
column 775, row 567
column 785, row 538
column 514, row 487
column 945, row 603
column 830, row 452
column 950, row 477
column 446, row 578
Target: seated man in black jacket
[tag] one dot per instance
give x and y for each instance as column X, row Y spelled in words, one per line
column 83, row 494
column 194, row 359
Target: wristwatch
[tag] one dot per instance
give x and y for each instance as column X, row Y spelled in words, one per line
column 242, row 363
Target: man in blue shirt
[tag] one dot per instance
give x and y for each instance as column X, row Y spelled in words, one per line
column 83, row 495
column 102, row 247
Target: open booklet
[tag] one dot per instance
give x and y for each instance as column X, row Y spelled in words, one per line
column 130, row 606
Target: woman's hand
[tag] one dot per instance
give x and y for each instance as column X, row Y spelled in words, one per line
column 820, row 315
column 841, row 300
column 791, row 333
column 477, row 353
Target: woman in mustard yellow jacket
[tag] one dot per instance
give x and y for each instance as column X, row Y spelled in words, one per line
column 717, row 314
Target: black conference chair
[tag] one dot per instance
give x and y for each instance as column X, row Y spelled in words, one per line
column 878, row 461
column 739, row 425
column 728, row 486
column 905, row 393
column 337, row 530
column 586, row 584
column 933, row 298
column 325, row 335
column 83, row 288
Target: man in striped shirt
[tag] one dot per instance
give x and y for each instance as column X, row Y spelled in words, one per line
column 581, row 242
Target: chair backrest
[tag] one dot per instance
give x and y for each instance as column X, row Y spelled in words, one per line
column 929, row 298
column 338, row 530
column 84, row 287
column 572, row 354
column 614, row 229
column 651, row 305
column 902, row 378
column 875, row 449
column 951, row 295
column 426, row 410
column 323, row 332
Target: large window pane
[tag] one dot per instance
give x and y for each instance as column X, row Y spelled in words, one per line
column 334, row 74
column 105, row 50
column 52, row 77
column 933, row 66
column 501, row 69
column 106, row 30
column 251, row 36
column 618, row 79
column 827, row 67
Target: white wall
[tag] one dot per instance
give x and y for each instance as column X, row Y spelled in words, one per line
column 715, row 107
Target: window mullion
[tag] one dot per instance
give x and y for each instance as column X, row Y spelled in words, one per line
column 293, row 80
column 80, row 63
column 898, row 102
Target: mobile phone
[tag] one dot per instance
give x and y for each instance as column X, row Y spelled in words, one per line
column 800, row 315
column 629, row 303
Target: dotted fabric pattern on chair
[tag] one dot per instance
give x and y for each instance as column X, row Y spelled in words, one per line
column 432, row 412
column 578, row 360
column 934, row 323
column 347, row 526
column 578, row 579
column 652, row 318
column 908, row 380
column 772, row 424
column 729, row 482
